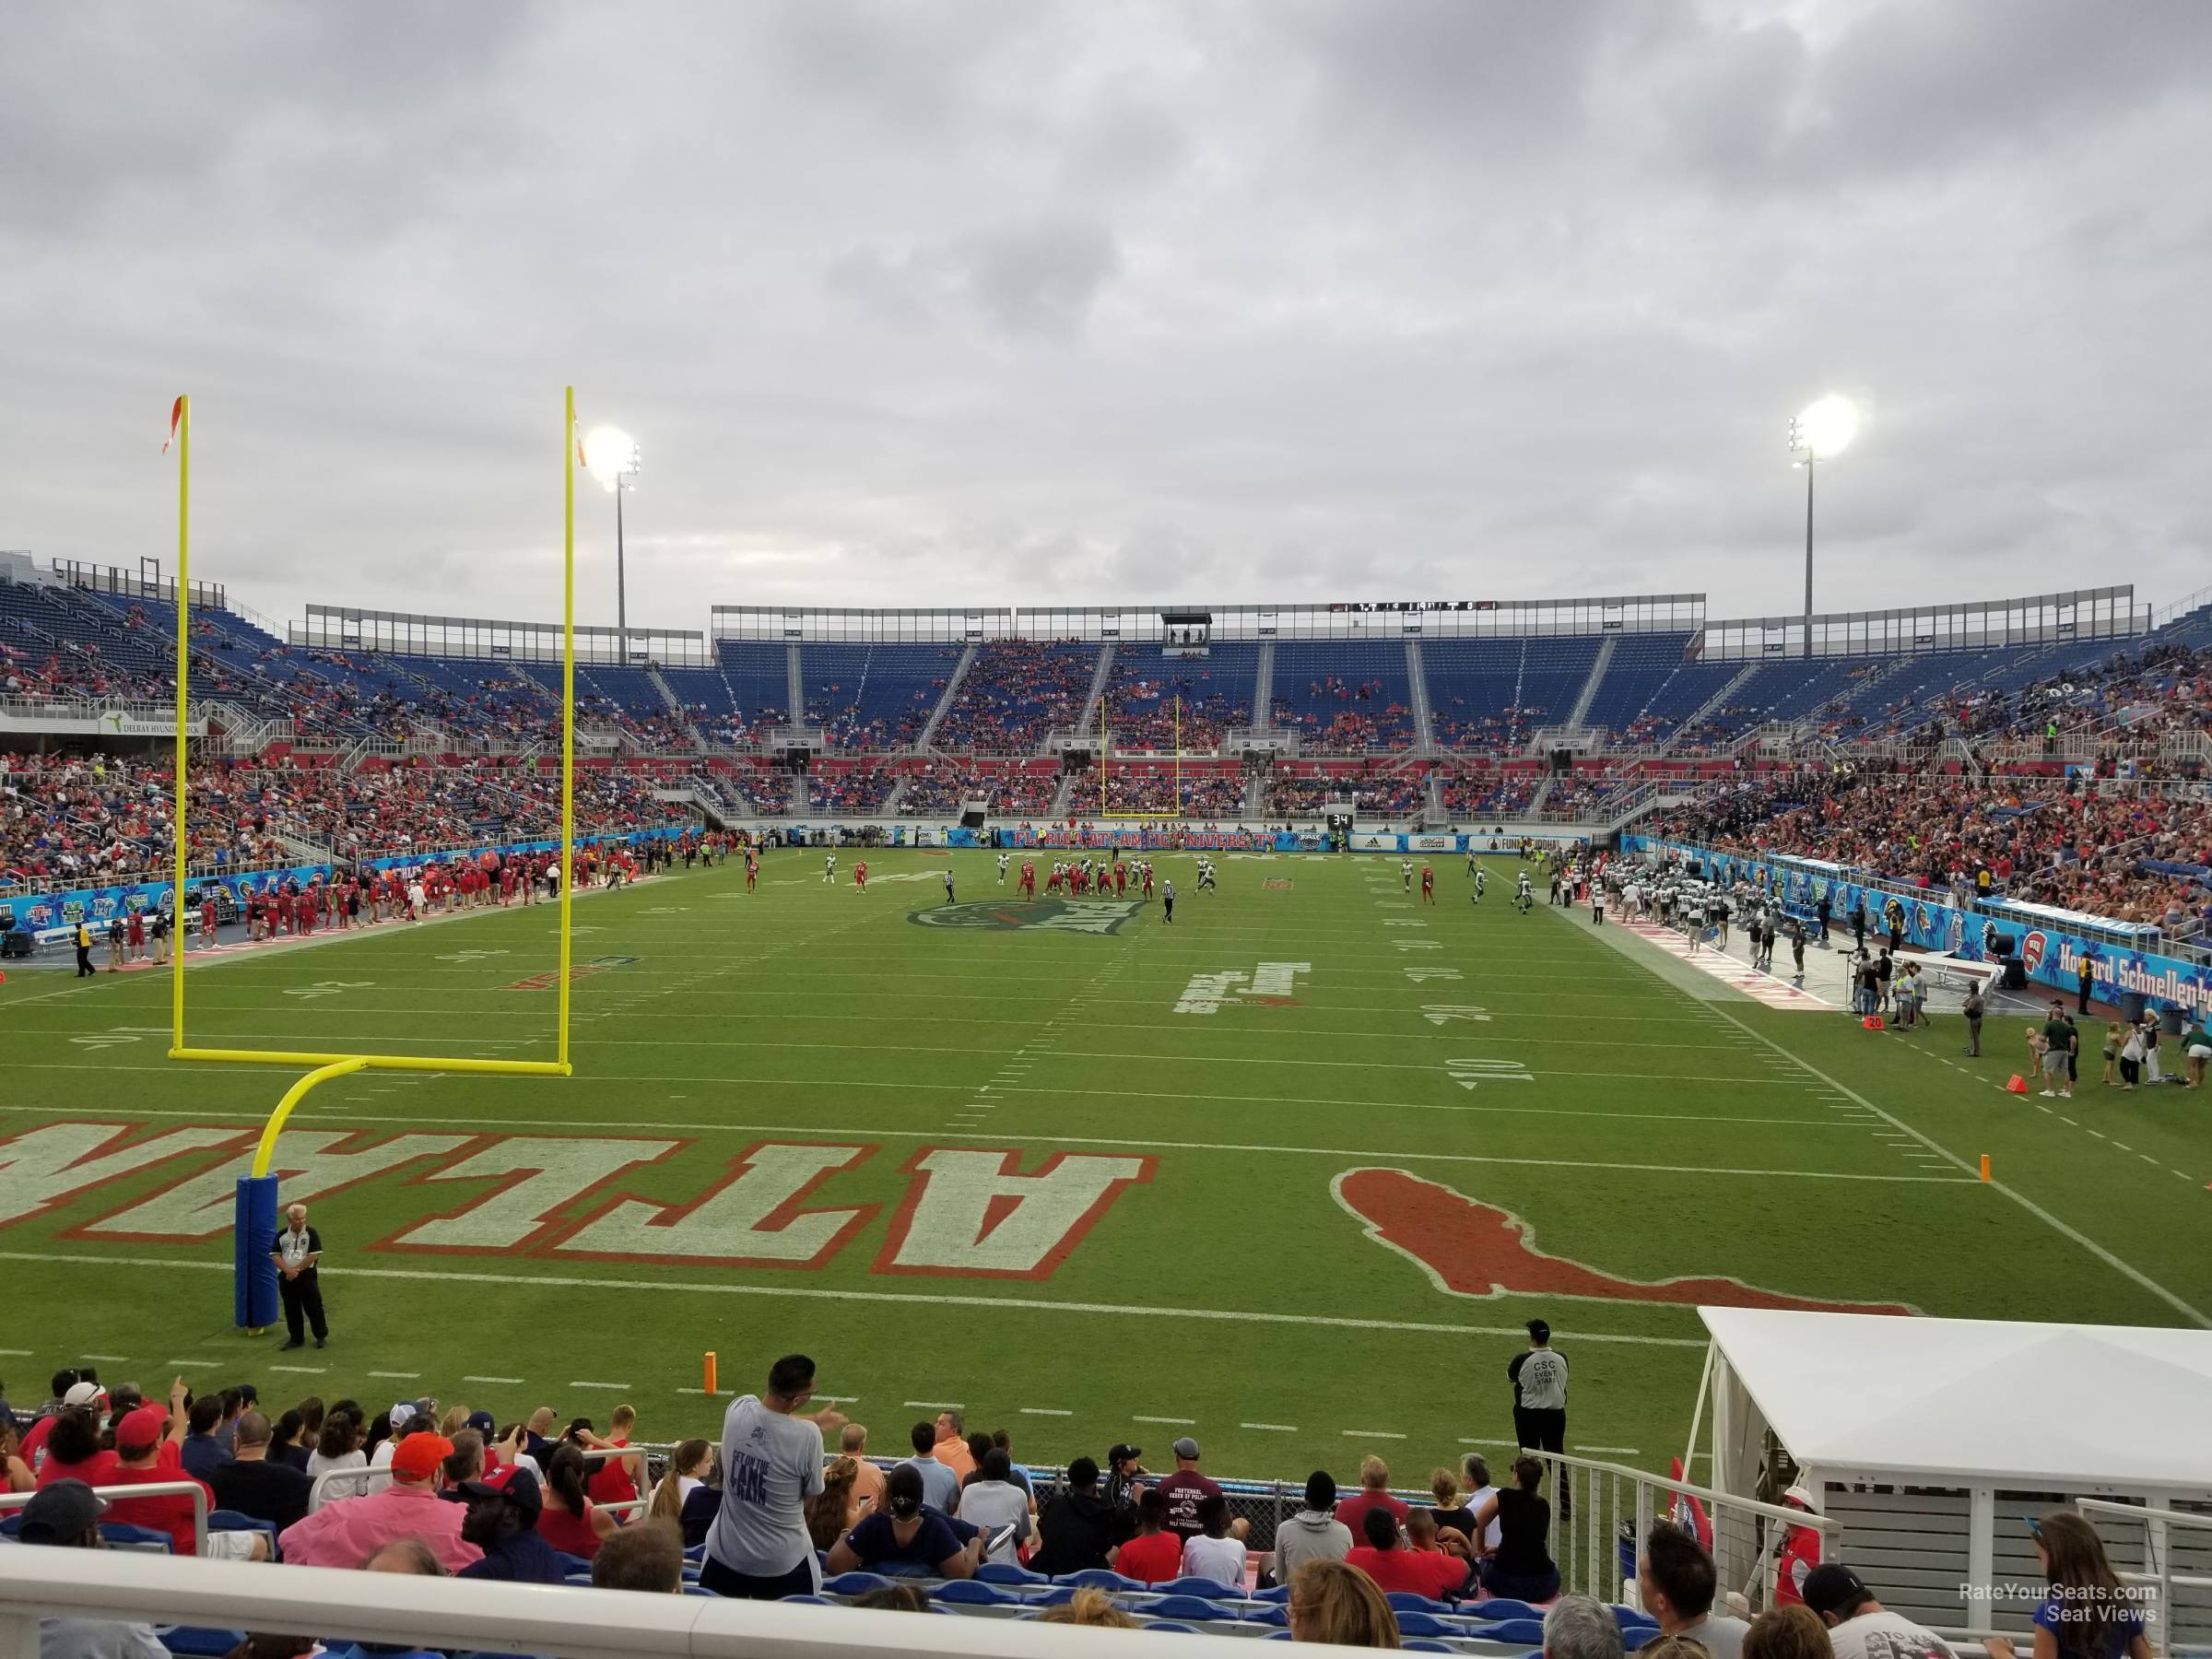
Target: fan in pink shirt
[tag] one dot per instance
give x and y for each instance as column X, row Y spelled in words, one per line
column 348, row 1532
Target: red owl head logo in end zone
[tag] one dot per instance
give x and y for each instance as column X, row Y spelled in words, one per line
column 2033, row 949
column 1469, row 1248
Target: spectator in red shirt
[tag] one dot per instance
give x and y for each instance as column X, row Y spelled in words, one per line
column 1392, row 1566
column 1155, row 1555
column 147, row 1445
column 1373, row 1493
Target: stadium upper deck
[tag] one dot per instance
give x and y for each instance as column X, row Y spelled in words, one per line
column 1461, row 689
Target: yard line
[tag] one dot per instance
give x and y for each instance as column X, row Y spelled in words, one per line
column 609, row 1387
column 399, row 1376
column 1270, row 1427
column 2127, row 1271
column 1048, row 1138
column 1171, row 1422
column 935, row 1405
column 1043, row 1411
column 491, row 1379
column 1369, row 1435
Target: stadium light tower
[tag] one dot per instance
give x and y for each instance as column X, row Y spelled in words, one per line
column 614, row 459
column 1823, row 431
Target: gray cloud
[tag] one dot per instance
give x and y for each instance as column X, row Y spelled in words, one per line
column 1052, row 302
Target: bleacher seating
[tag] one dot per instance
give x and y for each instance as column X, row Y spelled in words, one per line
column 1344, row 697
column 1147, row 688
column 1017, row 691
column 875, row 696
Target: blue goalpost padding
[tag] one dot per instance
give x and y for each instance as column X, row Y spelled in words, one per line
column 253, row 1300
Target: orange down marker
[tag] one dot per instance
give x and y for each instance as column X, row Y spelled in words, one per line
column 1985, row 1176
column 711, row 1389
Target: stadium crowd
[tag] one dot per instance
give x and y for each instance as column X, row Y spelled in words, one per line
column 2046, row 841
column 85, row 818
column 785, row 1504
column 1014, row 692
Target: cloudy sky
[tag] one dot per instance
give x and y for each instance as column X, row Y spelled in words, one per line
column 941, row 303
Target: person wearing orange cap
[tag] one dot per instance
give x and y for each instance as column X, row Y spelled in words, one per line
column 347, row 1531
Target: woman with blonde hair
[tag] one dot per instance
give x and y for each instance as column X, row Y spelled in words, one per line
column 1089, row 1607
column 1339, row 1604
column 688, row 1466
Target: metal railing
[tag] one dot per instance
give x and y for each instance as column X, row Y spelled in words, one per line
column 156, row 1489
column 2156, row 1571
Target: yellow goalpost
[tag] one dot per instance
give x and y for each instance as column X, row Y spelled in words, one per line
column 255, row 1288
column 1105, row 754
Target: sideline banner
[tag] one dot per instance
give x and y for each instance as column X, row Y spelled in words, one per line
column 2051, row 955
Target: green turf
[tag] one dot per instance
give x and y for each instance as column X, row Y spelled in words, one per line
column 1664, row 1133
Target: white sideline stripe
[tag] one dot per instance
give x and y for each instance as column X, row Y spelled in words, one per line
column 2135, row 1274
column 610, row 1388
column 1172, row 1422
column 1270, row 1427
column 1044, row 1411
column 1968, row 1177
column 1369, row 1435
column 936, row 1405
column 491, row 1379
column 399, row 1376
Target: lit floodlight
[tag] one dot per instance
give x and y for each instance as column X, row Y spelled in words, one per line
column 1826, row 428
column 611, row 455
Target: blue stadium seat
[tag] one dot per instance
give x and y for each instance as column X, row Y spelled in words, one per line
column 974, row 1593
column 1633, row 1636
column 1273, row 1592
column 701, row 1589
column 1191, row 1607
column 1413, row 1622
column 1424, row 1646
column 572, row 1563
column 200, row 1641
column 1173, row 1627
column 808, row 1600
column 1503, row 1607
column 1006, row 1573
column 1269, row 1613
column 856, row 1583
column 1515, row 1630
column 1277, row 1636
column 1412, row 1601
column 1629, row 1619
column 1211, row 1589
column 1099, row 1578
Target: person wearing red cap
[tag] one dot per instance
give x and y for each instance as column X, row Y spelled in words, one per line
column 345, row 1533
column 147, row 1453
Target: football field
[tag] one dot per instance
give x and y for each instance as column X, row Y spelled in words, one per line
column 1288, row 1175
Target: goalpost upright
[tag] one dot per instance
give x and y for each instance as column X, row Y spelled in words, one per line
column 254, row 1297
column 1175, row 765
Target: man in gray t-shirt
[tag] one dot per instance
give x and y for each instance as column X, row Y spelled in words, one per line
column 771, row 1463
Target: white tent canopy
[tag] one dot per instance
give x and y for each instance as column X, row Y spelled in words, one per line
column 1973, row 1403
column 1929, row 1440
